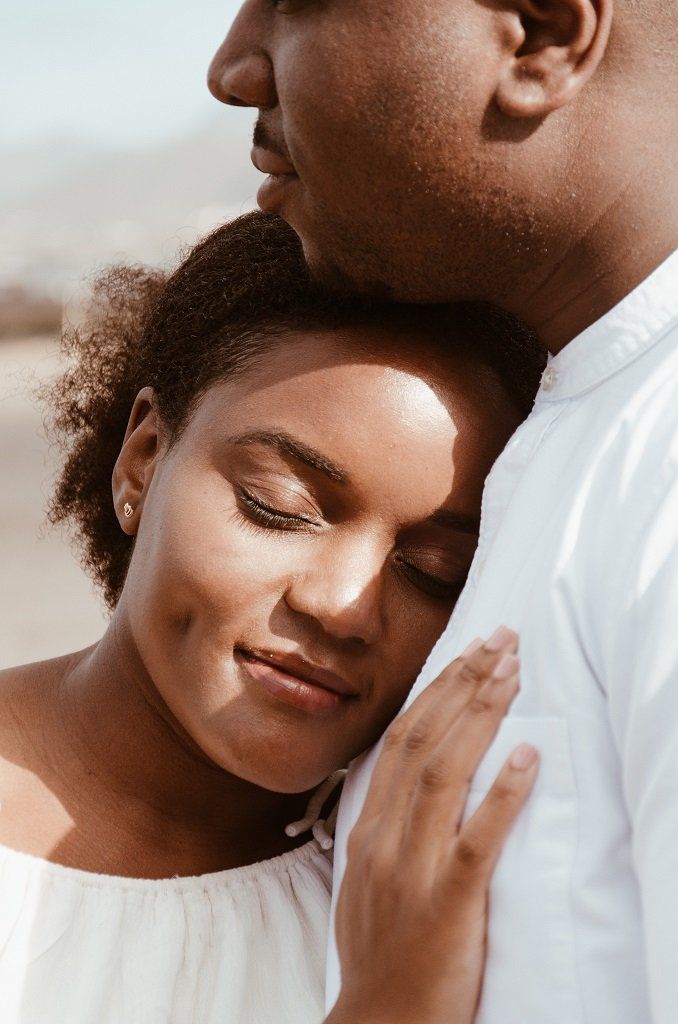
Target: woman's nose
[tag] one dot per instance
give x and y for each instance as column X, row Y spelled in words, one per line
column 241, row 72
column 342, row 595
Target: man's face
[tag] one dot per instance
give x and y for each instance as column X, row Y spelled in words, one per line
column 376, row 122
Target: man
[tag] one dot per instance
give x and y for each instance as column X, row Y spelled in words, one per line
column 525, row 152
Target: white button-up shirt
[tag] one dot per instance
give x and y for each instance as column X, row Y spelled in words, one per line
column 578, row 552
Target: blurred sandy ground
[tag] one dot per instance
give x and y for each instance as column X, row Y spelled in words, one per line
column 47, row 604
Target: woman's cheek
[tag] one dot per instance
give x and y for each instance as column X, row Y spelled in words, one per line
column 418, row 627
column 225, row 583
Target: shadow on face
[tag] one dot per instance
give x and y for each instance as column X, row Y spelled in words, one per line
column 303, row 541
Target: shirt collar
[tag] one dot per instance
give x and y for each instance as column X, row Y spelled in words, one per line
column 620, row 336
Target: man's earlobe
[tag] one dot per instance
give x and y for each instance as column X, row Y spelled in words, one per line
column 136, row 462
column 556, row 46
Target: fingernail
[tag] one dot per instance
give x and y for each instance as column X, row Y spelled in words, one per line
column 473, row 646
column 523, row 757
column 506, row 667
column 500, row 639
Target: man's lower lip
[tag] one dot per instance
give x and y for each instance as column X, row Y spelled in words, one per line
column 289, row 689
column 271, row 192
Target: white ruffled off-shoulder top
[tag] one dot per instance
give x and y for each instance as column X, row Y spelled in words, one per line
column 243, row 946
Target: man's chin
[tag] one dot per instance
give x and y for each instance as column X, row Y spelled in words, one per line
column 343, row 278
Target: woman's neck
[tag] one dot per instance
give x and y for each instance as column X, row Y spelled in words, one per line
column 141, row 797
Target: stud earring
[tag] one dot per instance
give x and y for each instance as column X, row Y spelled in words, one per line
column 128, row 510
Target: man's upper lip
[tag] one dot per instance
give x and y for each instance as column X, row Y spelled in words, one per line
column 268, row 161
column 295, row 665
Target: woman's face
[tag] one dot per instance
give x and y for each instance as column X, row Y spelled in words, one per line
column 301, row 546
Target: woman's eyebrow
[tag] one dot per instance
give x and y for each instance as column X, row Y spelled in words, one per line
column 456, row 520
column 292, row 446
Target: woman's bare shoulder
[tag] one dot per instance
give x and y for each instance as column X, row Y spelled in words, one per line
column 27, row 695
column 24, row 692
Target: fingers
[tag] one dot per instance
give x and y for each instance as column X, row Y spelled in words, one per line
column 439, row 793
column 454, row 688
column 482, row 837
column 416, row 732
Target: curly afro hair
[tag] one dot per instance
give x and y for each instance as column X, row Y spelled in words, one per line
column 237, row 293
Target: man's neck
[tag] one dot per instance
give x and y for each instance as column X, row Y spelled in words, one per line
column 628, row 239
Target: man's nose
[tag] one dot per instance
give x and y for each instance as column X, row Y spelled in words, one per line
column 343, row 595
column 241, row 72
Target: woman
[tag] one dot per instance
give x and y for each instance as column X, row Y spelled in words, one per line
column 296, row 487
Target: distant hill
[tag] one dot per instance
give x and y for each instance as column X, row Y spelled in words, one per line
column 67, row 209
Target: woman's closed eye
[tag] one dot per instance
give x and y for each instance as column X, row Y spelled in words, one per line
column 264, row 513
column 419, row 569
column 444, row 587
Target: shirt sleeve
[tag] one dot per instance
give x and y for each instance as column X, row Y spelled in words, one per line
column 641, row 680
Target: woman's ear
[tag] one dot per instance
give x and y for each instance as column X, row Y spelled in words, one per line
column 554, row 47
column 136, row 462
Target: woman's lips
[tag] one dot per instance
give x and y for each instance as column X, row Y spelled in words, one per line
column 296, row 682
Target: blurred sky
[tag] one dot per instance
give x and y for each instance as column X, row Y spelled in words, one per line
column 118, row 73
column 111, row 148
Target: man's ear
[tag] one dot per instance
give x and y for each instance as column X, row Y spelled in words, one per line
column 554, row 47
column 136, row 462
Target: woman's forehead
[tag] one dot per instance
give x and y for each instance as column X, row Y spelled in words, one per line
column 343, row 395
column 397, row 438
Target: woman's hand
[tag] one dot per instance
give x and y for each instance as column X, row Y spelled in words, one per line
column 412, row 911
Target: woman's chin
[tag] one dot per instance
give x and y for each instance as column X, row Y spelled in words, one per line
column 279, row 764
column 287, row 777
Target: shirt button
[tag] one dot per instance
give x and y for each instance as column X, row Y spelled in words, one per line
column 548, row 379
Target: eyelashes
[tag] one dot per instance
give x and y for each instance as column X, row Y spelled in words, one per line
column 263, row 515
column 273, row 518
column 443, row 590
